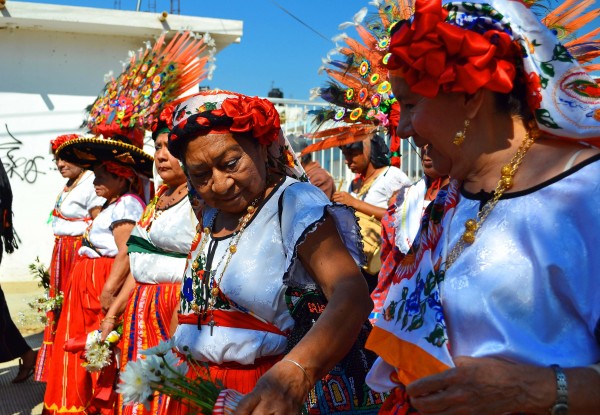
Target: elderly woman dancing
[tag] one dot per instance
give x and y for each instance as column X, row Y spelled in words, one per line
column 274, row 256
column 495, row 308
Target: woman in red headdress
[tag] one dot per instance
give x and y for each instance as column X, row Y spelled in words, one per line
column 97, row 275
column 75, row 208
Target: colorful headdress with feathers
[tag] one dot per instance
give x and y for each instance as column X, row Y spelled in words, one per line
column 498, row 45
column 154, row 76
column 359, row 88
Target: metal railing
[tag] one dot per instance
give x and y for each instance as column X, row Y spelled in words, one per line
column 297, row 121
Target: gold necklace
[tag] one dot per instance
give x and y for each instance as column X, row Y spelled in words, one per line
column 507, row 174
column 206, row 288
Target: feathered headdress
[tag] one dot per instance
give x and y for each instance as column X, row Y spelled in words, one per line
column 359, row 88
column 156, row 75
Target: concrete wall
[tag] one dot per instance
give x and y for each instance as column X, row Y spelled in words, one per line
column 47, row 78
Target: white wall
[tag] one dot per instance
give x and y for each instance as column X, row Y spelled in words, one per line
column 47, row 79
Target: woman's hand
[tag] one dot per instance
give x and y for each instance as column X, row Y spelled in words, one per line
column 106, row 326
column 344, row 198
column 484, row 386
column 280, row 391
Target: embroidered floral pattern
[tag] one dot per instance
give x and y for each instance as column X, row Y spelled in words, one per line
column 412, row 307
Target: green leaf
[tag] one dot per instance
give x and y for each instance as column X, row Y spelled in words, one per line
column 548, row 68
column 404, row 321
column 545, row 118
column 417, row 322
column 429, row 284
column 436, row 337
column 404, row 293
column 400, row 311
column 561, row 54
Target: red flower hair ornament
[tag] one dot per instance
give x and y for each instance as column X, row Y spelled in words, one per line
column 434, row 55
column 252, row 115
column 60, row 140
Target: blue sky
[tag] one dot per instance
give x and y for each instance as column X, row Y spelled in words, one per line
column 275, row 50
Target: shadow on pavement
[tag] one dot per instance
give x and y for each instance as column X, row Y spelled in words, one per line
column 23, row 398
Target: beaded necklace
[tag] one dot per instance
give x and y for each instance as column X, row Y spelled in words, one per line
column 67, row 191
column 206, row 287
column 506, row 182
column 173, row 198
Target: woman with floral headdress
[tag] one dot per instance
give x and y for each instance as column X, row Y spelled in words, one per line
column 99, row 272
column 495, row 309
column 76, row 206
column 158, row 248
column 272, row 297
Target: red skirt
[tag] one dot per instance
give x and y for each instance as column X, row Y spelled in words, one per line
column 64, row 255
column 242, row 378
column 70, row 387
column 147, row 320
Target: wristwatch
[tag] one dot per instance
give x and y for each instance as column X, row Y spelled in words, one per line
column 560, row 406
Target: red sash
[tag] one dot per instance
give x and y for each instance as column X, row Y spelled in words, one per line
column 231, row 318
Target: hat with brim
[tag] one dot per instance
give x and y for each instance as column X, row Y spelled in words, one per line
column 90, row 151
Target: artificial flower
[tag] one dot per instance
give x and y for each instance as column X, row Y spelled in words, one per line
column 252, row 115
column 440, row 55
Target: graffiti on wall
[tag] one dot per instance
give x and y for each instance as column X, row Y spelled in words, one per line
column 17, row 165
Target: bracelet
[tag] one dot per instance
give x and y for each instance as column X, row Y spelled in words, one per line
column 595, row 367
column 301, row 368
column 109, row 318
column 561, row 405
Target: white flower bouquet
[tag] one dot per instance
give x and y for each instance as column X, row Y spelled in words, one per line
column 51, row 300
column 164, row 372
column 98, row 354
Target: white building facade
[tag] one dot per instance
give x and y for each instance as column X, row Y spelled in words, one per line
column 53, row 63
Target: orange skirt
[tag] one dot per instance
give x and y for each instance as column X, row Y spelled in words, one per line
column 70, row 387
column 147, row 320
column 64, row 255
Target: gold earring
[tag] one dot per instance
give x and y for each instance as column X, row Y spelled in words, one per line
column 459, row 138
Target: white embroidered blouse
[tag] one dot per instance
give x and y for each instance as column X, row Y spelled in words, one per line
column 171, row 234
column 264, row 264
column 71, row 214
column 98, row 240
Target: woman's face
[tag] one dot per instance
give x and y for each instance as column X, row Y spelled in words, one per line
column 107, row 185
column 227, row 172
column 356, row 159
column 68, row 170
column 430, row 121
column 428, row 166
column 168, row 167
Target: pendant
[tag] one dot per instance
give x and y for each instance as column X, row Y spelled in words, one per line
column 215, row 291
column 211, row 324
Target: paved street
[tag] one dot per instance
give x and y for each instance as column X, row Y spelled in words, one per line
column 25, row 398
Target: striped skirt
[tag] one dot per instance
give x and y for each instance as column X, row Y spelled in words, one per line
column 147, row 319
column 70, row 388
column 64, row 255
